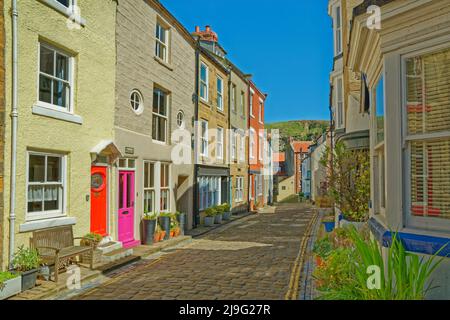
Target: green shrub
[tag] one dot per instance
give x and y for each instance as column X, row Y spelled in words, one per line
column 5, row 276
column 26, row 260
column 94, row 237
column 323, row 248
column 150, row 216
column 211, row 212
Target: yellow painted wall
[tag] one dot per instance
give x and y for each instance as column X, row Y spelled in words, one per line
column 93, row 46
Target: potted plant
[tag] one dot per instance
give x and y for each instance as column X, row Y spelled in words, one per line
column 27, row 263
column 226, row 209
column 329, row 223
column 181, row 217
column 158, row 233
column 148, row 228
column 219, row 215
column 174, row 228
column 10, row 284
column 164, row 220
column 91, row 240
column 210, row 215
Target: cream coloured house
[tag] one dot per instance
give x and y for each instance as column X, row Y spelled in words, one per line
column 407, row 70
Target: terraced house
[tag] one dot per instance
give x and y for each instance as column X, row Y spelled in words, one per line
column 61, row 98
column 154, row 112
column 212, row 169
column 238, row 121
column 407, row 70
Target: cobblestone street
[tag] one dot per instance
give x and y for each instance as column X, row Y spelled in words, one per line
column 252, row 258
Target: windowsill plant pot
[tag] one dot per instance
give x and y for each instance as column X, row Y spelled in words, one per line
column 164, row 220
column 10, row 285
column 218, row 218
column 210, row 217
column 148, row 229
column 182, row 221
column 27, row 262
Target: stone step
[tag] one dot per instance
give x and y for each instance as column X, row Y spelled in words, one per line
column 116, row 255
column 109, row 247
column 109, row 267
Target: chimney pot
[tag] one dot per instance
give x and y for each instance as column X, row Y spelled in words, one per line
column 208, row 28
column 197, row 29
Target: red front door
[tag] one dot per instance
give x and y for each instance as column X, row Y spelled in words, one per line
column 99, row 200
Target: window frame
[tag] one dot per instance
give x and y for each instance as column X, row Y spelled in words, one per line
column 233, row 98
column 204, row 139
column 220, row 98
column 151, row 189
column 242, row 106
column 159, row 43
column 242, row 148
column 340, row 106
column 429, row 224
column 252, row 95
column 159, row 115
column 261, row 106
column 140, row 109
column 239, row 192
column 252, row 143
column 167, row 188
column 71, row 76
column 204, row 83
column 220, row 143
column 51, row 214
column 337, row 30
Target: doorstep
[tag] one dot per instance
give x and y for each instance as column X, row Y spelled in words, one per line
column 202, row 230
column 47, row 290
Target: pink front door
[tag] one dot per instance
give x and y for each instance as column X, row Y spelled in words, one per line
column 126, row 209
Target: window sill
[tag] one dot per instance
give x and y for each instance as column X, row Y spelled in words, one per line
column 65, row 11
column 163, row 63
column 161, row 143
column 55, row 114
column 45, row 224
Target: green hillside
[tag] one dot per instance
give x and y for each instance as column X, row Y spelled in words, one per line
column 301, row 130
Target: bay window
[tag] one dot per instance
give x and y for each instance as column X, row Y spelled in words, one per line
column 427, row 138
column 45, row 185
column 209, row 191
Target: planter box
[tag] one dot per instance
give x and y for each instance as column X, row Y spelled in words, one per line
column 209, row 221
column 11, row 288
column 29, row 279
column 345, row 223
column 227, row 216
column 329, row 226
column 148, row 231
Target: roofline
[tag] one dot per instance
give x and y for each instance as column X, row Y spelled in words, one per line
column 207, row 54
column 362, row 8
column 252, row 84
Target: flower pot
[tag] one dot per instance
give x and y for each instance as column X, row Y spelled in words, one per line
column 319, row 261
column 329, row 226
column 162, row 236
column 209, row 221
column 218, row 219
column 11, row 288
column 148, row 231
column 165, row 225
column 29, row 279
column 227, row 216
column 177, row 232
column 182, row 221
column 172, row 233
column 156, row 237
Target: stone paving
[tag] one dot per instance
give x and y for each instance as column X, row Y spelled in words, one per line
column 250, row 259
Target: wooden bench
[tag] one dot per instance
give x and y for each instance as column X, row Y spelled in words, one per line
column 56, row 246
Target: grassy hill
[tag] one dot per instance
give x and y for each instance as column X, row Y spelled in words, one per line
column 302, row 130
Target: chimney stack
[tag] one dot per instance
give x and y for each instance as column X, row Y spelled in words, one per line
column 208, row 29
column 197, row 29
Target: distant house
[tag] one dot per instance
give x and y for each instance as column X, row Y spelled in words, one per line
column 300, row 149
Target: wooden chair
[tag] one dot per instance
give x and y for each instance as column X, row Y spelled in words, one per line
column 56, row 246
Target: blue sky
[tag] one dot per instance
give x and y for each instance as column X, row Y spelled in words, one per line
column 286, row 45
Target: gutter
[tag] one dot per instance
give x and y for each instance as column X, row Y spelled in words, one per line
column 196, row 217
column 14, row 118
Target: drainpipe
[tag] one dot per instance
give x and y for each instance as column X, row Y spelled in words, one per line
column 195, row 220
column 230, row 135
column 14, row 116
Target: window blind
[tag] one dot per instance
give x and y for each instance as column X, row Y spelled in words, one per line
column 428, row 113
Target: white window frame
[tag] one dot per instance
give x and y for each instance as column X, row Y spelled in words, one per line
column 204, row 82
column 337, row 30
column 220, row 143
column 252, row 143
column 150, row 189
column 159, row 43
column 239, row 192
column 44, row 215
column 242, row 148
column 159, row 115
column 220, row 104
column 204, row 139
column 140, row 108
column 242, row 106
column 261, row 146
column 422, row 223
column 70, row 82
column 233, row 138
column 261, row 106
column 166, row 188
